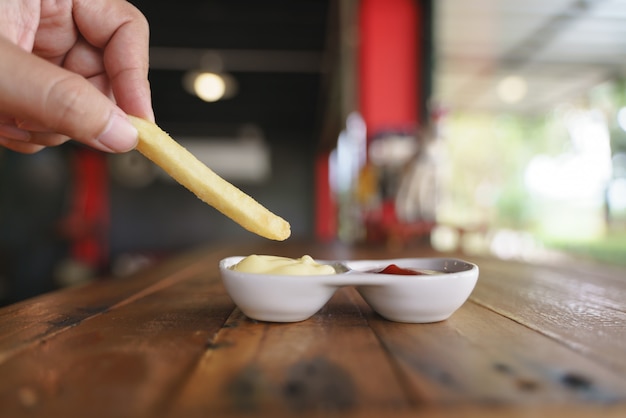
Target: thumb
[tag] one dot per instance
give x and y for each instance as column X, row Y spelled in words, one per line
column 35, row 90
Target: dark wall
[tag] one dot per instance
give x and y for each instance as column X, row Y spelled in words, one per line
column 163, row 217
column 284, row 105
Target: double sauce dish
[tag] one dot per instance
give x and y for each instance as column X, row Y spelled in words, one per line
column 414, row 290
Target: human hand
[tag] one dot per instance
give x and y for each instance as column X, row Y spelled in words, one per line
column 72, row 69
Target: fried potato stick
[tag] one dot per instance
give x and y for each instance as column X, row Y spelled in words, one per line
column 160, row 148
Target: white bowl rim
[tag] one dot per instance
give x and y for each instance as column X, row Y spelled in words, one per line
column 358, row 271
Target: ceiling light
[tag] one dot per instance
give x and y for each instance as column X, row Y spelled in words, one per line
column 512, row 89
column 208, row 86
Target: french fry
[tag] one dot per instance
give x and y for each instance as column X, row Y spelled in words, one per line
column 160, row 148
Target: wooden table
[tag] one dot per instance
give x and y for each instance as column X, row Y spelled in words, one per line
column 532, row 341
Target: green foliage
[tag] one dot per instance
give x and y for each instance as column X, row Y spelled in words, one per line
column 610, row 248
column 485, row 159
column 487, row 156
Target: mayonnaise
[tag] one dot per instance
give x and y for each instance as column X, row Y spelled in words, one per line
column 270, row 264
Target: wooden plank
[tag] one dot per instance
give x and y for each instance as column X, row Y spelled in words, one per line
column 122, row 362
column 480, row 357
column 168, row 343
column 27, row 323
column 584, row 312
column 329, row 364
column 485, row 411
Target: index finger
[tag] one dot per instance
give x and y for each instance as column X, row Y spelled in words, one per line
column 122, row 32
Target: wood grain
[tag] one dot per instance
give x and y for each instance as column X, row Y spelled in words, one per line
column 586, row 312
column 534, row 340
column 30, row 322
column 329, row 364
column 126, row 357
column 479, row 356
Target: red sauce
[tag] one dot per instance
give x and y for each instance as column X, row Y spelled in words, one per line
column 394, row 269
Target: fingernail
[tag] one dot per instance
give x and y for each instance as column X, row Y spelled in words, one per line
column 119, row 135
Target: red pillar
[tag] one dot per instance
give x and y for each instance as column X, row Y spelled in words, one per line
column 391, row 67
column 87, row 223
column 390, row 64
column 325, row 207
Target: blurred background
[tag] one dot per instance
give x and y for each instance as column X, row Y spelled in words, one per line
column 484, row 126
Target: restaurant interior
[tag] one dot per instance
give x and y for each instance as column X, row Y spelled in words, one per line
column 478, row 126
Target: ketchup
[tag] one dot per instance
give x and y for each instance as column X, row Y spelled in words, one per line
column 394, row 269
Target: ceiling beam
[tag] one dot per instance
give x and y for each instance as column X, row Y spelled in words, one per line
column 235, row 60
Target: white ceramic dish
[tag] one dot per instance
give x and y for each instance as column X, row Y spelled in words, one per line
column 415, row 299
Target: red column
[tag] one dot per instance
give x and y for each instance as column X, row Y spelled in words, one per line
column 390, row 73
column 389, row 64
column 87, row 224
column 325, row 206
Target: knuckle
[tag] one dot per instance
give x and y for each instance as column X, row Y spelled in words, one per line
column 67, row 103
